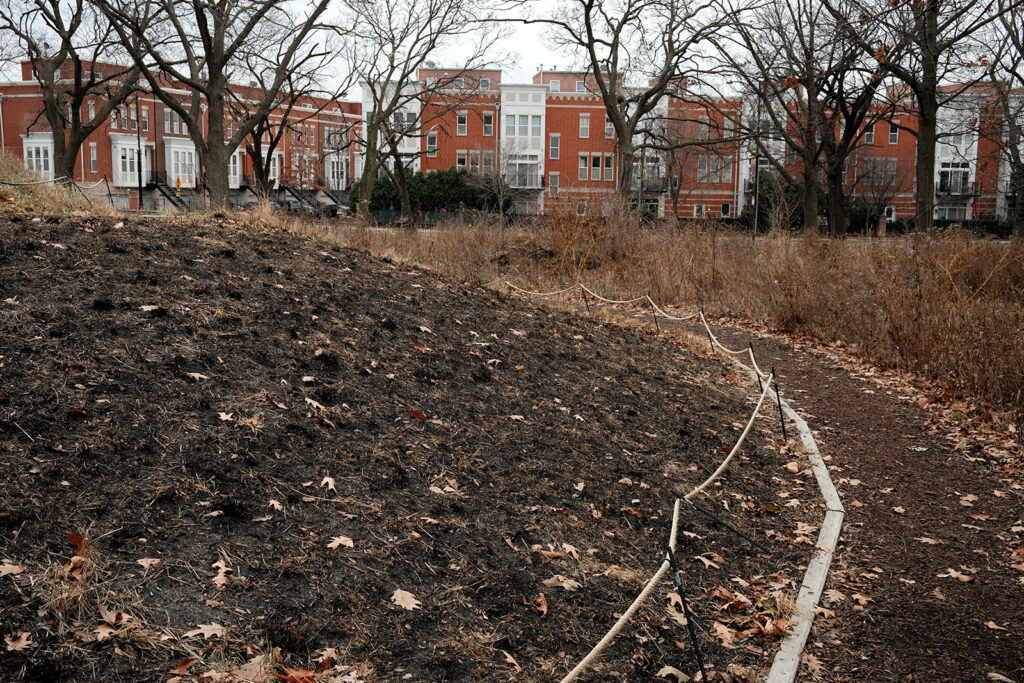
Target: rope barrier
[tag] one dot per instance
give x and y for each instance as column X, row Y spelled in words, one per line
column 669, row 559
column 645, row 593
column 62, row 179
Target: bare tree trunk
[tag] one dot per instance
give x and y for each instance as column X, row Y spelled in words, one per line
column 624, row 147
column 1018, row 212
column 926, row 133
column 838, row 211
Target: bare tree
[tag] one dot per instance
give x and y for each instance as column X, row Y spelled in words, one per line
column 1006, row 78
column 812, row 90
column 637, row 51
column 74, row 53
column 199, row 45
column 393, row 40
column 925, row 45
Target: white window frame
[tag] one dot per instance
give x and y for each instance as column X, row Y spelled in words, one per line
column 726, row 210
column 609, row 129
column 581, row 86
column 485, row 84
column 869, row 134
column 553, row 184
column 39, row 154
column 894, row 133
column 461, row 123
column 584, row 126
column 581, row 208
column 584, row 166
column 699, row 210
column 524, row 125
column 609, row 166
column 488, row 126
column 459, row 83
column 93, row 161
column 599, row 166
column 92, row 109
column 555, row 85
column 461, row 159
column 536, row 126
column 432, row 144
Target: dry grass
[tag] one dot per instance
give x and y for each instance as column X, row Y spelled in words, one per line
column 948, row 306
column 47, row 199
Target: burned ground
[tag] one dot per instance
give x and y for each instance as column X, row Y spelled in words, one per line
column 297, row 431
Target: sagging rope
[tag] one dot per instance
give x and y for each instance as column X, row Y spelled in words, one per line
column 748, row 351
column 658, row 575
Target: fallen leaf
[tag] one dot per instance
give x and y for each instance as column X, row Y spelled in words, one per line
column 541, row 603
column 205, row 631
column 813, row 663
column 511, row 660
column 148, row 562
column 315, row 404
column 993, row 676
column 18, row 642
column 968, row 500
column 406, row 600
column 103, row 631
column 707, row 562
column 329, row 483
column 195, row 376
column 579, row 486
column 79, row 542
column 182, row 667
column 221, row 580
column 994, row 626
column 899, row 510
column 861, row 599
column 418, row 415
column 938, row 594
column 224, row 417
column 957, row 575
column 792, row 467
column 10, row 568
column 834, row 597
column 276, row 505
column 929, row 541
column 725, row 634
column 667, row 671
column 338, row 541
column 559, row 580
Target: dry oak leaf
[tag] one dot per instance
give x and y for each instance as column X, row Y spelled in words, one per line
column 559, row 580
column 206, row 631
column 18, row 642
column 406, row 600
column 103, row 631
column 813, row 664
column 511, row 660
column 148, row 562
column 994, row 626
column 221, row 580
column 10, row 568
column 339, row 541
column 195, row 376
column 666, row 671
column 957, row 575
column 708, row 561
column 541, row 603
column 834, row 596
column 329, row 483
column 276, row 505
column 862, row 600
column 968, row 500
column 725, row 634
column 224, row 417
column 182, row 667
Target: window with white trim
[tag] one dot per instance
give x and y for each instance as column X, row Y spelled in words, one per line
column 37, row 158
column 581, row 208
column 485, row 84
column 460, row 83
column 432, row 144
column 609, row 129
column 869, row 134
column 460, row 160
column 553, row 184
column 524, row 125
column 581, row 86
column 698, row 210
column 93, row 162
column 555, row 86
column 584, row 125
column 461, row 123
column 488, row 124
column 726, row 210
column 609, row 167
column 583, row 167
column 554, row 146
column 595, row 167
column 92, row 109
column 535, row 126
column 894, row 134
column 145, row 118
column 510, row 125
column 167, row 120
column 474, row 161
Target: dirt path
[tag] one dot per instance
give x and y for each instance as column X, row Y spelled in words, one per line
column 917, row 508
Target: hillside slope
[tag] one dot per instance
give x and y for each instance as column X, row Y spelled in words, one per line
column 297, row 431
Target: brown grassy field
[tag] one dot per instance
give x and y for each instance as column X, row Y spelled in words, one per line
column 948, row 306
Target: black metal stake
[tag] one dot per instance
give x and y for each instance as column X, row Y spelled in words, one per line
column 778, row 400
column 687, row 612
column 657, row 329
column 711, row 340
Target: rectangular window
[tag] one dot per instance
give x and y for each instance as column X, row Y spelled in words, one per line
column 555, row 86
column 431, row 144
column 609, row 129
column 894, row 134
column 555, row 143
column 177, row 122
column 703, row 127
column 431, row 81
column 726, row 210
column 485, row 84
column 93, row 164
column 510, row 125
column 535, row 127
column 92, row 109
column 581, row 86
column 553, row 184
column 133, row 119
column 869, row 134
column 488, row 124
column 702, row 169
column 167, row 120
column 581, row 208
column 584, row 125
column 726, row 169
column 583, row 167
column 698, row 210
column 595, row 167
column 609, row 167
column 145, row 118
column 459, row 83
column 488, row 162
column 524, row 125
column 460, row 160
column 461, row 123
column 474, row 162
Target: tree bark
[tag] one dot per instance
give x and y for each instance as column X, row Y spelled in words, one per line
column 625, row 151
column 811, row 199
column 926, row 134
column 1018, row 209
column 838, row 211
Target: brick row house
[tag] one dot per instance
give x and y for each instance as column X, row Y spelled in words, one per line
column 313, row 159
column 549, row 139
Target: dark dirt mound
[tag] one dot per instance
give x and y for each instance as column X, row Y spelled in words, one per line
column 296, row 432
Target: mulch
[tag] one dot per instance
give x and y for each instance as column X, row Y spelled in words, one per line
column 310, row 441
